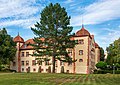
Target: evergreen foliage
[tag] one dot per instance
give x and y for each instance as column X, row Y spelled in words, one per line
column 7, row 47
column 53, row 34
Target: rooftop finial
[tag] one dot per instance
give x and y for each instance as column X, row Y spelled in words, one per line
column 18, row 33
column 82, row 26
column 82, row 18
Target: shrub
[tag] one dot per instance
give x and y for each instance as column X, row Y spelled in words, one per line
column 101, row 65
column 106, row 71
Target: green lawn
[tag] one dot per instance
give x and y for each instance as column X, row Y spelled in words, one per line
column 58, row 79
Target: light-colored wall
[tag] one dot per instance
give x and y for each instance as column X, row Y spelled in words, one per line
column 80, row 67
column 30, row 58
column 97, row 55
column 91, row 55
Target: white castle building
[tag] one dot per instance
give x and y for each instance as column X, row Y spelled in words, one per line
column 87, row 53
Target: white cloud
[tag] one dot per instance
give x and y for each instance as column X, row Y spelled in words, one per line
column 26, row 23
column 99, row 12
column 17, row 8
column 109, row 37
column 68, row 1
column 19, row 12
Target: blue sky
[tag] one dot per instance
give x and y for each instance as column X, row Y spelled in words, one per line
column 100, row 17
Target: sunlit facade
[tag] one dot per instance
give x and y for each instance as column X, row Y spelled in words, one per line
column 86, row 52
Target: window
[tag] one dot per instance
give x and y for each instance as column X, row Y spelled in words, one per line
column 81, row 41
column 22, row 54
column 22, row 69
column 27, row 63
column 27, row 54
column 46, row 70
column 80, row 60
column 22, row 63
column 67, row 71
column 39, row 62
column 14, row 63
column 92, row 50
column 33, row 62
column 34, row 69
column 46, row 62
column 70, row 52
column 80, row 52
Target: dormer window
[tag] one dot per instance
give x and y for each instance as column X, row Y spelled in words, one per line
column 25, row 45
column 81, row 41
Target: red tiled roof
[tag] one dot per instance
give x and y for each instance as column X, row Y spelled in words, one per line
column 26, row 47
column 27, row 43
column 18, row 39
column 30, row 41
column 82, row 32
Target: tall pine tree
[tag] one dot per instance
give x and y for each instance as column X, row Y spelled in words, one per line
column 53, row 35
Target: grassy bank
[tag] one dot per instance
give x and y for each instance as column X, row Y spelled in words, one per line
column 56, row 79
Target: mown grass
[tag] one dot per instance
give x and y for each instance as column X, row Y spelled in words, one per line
column 58, row 79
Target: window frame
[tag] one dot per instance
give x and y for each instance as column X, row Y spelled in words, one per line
column 33, row 62
column 22, row 63
column 81, row 52
column 22, row 54
column 27, row 54
column 27, row 63
column 80, row 60
column 81, row 41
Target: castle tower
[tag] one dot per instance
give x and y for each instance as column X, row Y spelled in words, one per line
column 19, row 41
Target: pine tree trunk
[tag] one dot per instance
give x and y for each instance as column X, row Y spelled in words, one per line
column 53, row 69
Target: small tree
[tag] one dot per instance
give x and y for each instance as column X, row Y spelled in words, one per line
column 101, row 65
column 53, row 34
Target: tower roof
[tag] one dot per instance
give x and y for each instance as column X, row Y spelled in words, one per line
column 30, row 41
column 96, row 45
column 82, row 32
column 18, row 39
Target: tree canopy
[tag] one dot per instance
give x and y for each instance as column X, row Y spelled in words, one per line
column 7, row 47
column 113, row 52
column 53, row 34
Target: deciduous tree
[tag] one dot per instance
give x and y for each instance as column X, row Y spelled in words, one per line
column 7, row 47
column 114, row 53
